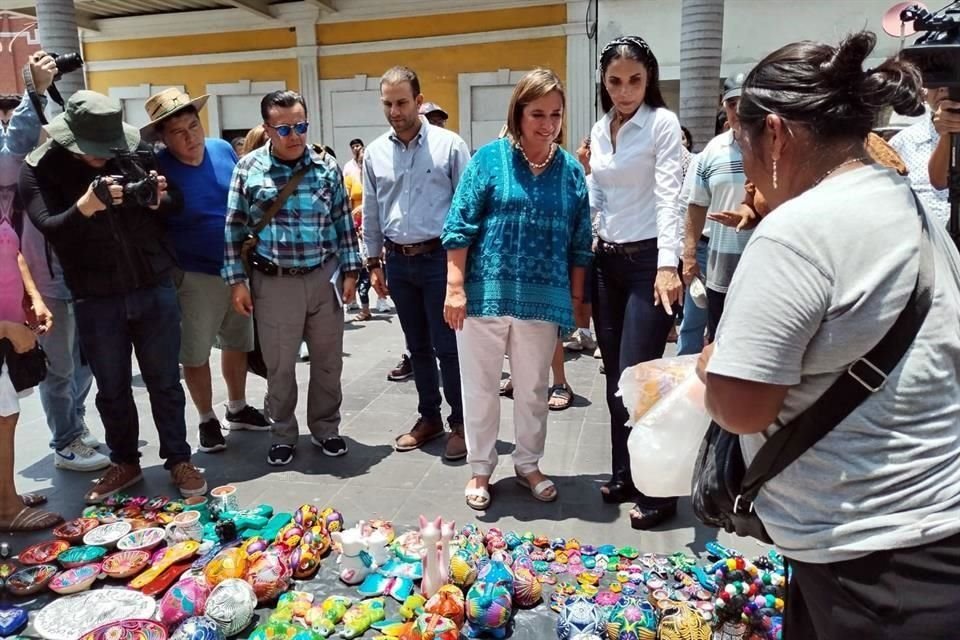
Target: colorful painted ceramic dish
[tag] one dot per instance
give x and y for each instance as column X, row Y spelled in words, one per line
column 78, row 556
column 31, row 580
column 124, row 564
column 75, row 580
column 43, row 553
column 74, row 530
column 128, row 630
column 67, row 618
column 107, row 535
column 141, row 539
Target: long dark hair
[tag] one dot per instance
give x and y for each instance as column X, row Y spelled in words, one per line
column 826, row 89
column 633, row 48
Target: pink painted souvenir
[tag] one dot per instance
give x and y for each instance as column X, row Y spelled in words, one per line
column 125, row 564
column 75, row 580
column 128, row 630
column 269, row 575
column 185, row 599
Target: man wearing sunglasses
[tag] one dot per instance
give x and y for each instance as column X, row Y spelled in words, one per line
column 304, row 256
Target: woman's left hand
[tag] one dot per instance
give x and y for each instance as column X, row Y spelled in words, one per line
column 39, row 317
column 667, row 290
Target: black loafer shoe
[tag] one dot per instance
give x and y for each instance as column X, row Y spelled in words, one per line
column 618, row 491
column 650, row 518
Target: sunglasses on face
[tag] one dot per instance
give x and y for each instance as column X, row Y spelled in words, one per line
column 284, row 130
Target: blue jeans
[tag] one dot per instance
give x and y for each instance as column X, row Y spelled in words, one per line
column 418, row 286
column 630, row 330
column 146, row 322
column 694, row 323
column 64, row 391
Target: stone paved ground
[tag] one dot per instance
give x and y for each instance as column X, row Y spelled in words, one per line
column 375, row 481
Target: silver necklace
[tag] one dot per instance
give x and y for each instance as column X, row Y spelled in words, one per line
column 538, row 165
column 831, row 171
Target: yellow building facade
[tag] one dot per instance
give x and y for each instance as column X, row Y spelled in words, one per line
column 468, row 55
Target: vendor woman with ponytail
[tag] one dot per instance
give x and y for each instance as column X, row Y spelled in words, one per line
column 635, row 177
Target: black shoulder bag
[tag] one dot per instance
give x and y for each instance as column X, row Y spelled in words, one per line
column 724, row 488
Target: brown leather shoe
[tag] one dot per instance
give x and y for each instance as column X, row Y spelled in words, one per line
column 188, row 479
column 423, row 432
column 456, row 448
column 117, row 478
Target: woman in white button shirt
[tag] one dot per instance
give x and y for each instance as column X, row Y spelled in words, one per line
column 635, row 179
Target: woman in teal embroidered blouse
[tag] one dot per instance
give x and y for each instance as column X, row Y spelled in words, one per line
column 518, row 242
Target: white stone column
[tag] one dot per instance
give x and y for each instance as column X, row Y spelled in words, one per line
column 581, row 71
column 309, row 71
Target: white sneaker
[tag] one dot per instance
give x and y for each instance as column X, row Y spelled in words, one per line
column 580, row 342
column 88, row 438
column 383, row 306
column 77, row 456
column 304, row 352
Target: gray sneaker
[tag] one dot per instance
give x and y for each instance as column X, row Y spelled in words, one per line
column 88, row 438
column 77, row 456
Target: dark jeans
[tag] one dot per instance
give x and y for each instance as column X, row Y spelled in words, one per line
column 715, row 301
column 363, row 287
column 887, row 595
column 630, row 330
column 146, row 321
column 418, row 286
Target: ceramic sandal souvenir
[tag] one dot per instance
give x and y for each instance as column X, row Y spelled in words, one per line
column 75, row 580
column 125, row 564
column 359, row 618
column 145, row 539
column 198, row 628
column 74, row 530
column 231, row 605
column 128, row 630
column 323, row 618
column 579, row 615
column 44, row 552
column 170, row 575
column 12, row 621
column 163, row 560
column 185, row 599
column 78, row 556
column 30, row 580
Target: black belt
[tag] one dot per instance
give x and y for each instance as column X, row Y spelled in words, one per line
column 268, row 268
column 625, row 248
column 416, row 249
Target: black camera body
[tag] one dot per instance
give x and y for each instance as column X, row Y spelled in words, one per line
column 66, row 63
column 139, row 184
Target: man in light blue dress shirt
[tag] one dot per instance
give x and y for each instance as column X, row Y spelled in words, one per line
column 409, row 176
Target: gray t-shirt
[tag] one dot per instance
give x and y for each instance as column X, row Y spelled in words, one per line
column 822, row 280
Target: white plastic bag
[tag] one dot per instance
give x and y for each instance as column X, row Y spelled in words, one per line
column 667, row 413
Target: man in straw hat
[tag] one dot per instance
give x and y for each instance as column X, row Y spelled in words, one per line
column 201, row 168
column 118, row 264
column 304, row 255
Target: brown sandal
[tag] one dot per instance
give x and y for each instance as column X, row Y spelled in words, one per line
column 506, row 387
column 561, row 397
column 32, row 519
column 363, row 316
column 33, row 499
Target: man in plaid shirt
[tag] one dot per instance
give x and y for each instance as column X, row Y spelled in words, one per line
column 308, row 246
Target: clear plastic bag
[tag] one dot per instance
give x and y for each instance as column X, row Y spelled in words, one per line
column 667, row 413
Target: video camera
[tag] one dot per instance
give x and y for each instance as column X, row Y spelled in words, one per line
column 937, row 54
column 139, row 184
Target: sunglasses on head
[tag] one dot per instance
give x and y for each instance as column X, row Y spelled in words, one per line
column 284, row 130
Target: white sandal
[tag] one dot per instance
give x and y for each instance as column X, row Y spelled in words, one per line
column 482, row 495
column 539, row 491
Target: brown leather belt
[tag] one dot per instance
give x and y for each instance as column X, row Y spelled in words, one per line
column 416, row 249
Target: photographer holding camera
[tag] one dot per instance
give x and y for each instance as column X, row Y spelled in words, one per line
column 89, row 193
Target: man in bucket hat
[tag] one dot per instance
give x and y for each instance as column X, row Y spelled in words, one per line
column 200, row 168
column 118, row 264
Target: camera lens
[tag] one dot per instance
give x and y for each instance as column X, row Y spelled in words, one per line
column 67, row 62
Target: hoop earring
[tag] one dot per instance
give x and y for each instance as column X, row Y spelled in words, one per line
column 774, row 173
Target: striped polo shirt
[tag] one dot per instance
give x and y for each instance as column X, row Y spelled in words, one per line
column 718, row 186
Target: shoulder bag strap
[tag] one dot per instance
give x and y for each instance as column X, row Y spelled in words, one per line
column 282, row 197
column 863, row 378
